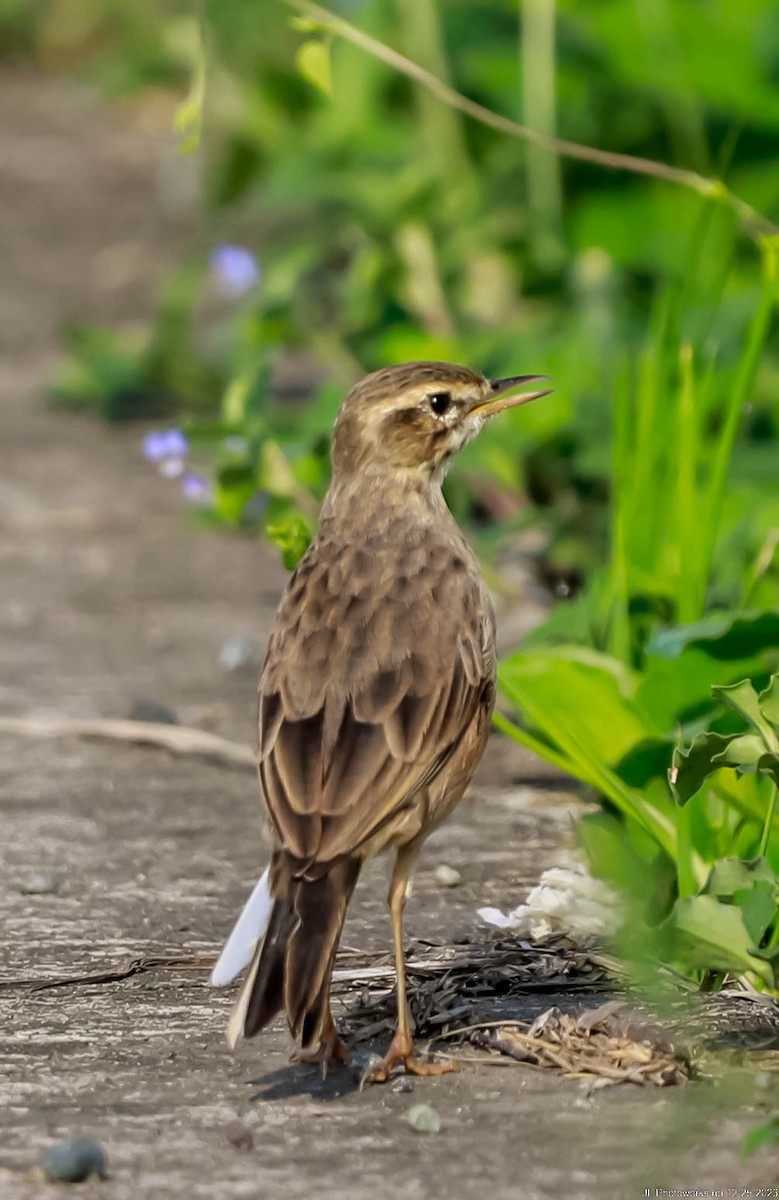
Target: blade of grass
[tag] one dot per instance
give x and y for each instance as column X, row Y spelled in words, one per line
column 685, row 454
column 742, row 388
column 622, row 472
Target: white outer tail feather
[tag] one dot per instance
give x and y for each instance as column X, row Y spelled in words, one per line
column 248, row 930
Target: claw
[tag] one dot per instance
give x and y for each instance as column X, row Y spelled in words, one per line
column 401, row 1052
column 330, row 1049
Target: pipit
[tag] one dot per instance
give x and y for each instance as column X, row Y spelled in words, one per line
column 375, row 697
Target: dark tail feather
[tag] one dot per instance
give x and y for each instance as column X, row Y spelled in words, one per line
column 296, row 957
column 267, row 987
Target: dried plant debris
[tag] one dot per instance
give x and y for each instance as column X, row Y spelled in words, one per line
column 607, row 1045
column 488, row 993
column 454, row 985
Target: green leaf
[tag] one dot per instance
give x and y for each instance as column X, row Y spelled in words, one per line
column 766, row 1134
column 234, row 487
column 768, row 764
column 769, row 702
column 292, row 534
column 707, row 753
column 646, row 761
column 611, row 854
column 727, row 636
column 758, row 907
column 312, row 59
column 730, row 875
column 715, row 936
column 745, row 700
column 672, row 687
column 188, row 123
column 578, row 695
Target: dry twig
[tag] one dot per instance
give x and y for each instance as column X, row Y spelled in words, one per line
column 178, row 739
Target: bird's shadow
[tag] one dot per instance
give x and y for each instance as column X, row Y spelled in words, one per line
column 302, row 1079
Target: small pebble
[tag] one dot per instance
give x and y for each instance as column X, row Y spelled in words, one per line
column 402, row 1084
column 39, row 885
column 152, row 710
column 447, row 876
column 237, row 652
column 239, row 1135
column 423, row 1119
column 73, row 1160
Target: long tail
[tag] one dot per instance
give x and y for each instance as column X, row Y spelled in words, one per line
column 292, row 965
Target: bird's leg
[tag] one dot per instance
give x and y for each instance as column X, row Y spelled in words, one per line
column 330, row 1048
column 401, row 1048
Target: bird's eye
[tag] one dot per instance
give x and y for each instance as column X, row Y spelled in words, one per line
column 439, row 402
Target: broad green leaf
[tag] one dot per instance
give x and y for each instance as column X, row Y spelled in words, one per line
column 731, row 875
column 578, row 696
column 726, row 637
column 715, row 937
column 672, row 687
column 646, row 761
column 707, row 753
column 744, row 699
column 758, row 906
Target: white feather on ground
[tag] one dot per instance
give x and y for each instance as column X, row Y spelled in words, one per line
column 566, row 899
column 247, row 932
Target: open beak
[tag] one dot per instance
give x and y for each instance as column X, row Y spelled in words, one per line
column 500, row 400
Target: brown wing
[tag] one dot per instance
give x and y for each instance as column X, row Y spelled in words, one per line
column 376, row 666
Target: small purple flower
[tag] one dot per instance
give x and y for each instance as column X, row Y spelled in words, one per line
column 159, row 445
column 235, row 270
column 197, row 489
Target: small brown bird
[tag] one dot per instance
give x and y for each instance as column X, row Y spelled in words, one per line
column 375, row 697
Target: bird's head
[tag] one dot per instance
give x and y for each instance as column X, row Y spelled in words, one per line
column 416, row 416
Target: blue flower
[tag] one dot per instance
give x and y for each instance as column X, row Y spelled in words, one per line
column 197, row 489
column 159, row 445
column 235, row 270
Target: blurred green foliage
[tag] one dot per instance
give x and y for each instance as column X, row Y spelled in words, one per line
column 387, row 226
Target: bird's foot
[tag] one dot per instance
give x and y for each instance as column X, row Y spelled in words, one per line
column 401, row 1053
column 330, row 1049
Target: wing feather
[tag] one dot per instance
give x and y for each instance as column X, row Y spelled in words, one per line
column 370, row 681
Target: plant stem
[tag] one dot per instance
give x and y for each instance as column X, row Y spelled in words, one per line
column 440, row 127
column 688, row 885
column 769, row 821
column 537, row 56
column 754, row 223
